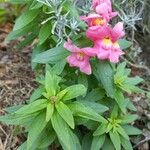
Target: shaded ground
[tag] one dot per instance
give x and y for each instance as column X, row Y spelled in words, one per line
column 17, row 83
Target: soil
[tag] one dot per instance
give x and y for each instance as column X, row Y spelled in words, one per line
column 16, row 84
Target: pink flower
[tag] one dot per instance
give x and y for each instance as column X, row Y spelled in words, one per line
column 80, row 57
column 105, row 11
column 106, row 42
column 94, row 20
column 95, row 3
column 104, row 8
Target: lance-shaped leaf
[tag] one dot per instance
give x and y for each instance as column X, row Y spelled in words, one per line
column 100, row 130
column 98, row 142
column 130, row 130
column 61, row 129
column 49, row 111
column 126, row 144
column 51, row 56
column 73, row 92
column 83, row 111
column 128, row 119
column 104, row 74
column 65, row 113
column 36, row 127
column 115, row 138
column 51, row 84
column 25, row 19
column 32, row 107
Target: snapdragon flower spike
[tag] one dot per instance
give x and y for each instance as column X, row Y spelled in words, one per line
column 106, row 43
column 104, row 8
column 94, row 20
column 80, row 57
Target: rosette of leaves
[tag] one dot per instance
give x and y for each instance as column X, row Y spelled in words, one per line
column 50, row 114
column 115, row 133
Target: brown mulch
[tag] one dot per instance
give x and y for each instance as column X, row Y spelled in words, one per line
column 16, row 84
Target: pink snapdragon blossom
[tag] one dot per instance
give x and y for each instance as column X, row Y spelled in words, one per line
column 95, row 3
column 106, row 42
column 94, row 20
column 105, row 11
column 104, row 8
column 80, row 57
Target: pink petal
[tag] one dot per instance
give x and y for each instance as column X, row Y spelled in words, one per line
column 71, row 47
column 95, row 3
column 86, row 67
column 114, row 56
column 103, row 54
column 91, row 52
column 97, row 33
column 102, row 9
column 117, row 31
column 72, row 60
column 113, row 14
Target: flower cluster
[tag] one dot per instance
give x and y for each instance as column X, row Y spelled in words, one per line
column 104, row 36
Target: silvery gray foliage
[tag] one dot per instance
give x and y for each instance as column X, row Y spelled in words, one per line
column 130, row 11
column 62, row 21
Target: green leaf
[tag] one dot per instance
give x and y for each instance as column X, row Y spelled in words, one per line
column 49, row 111
column 27, row 40
column 46, row 137
column 37, row 94
column 126, row 144
column 122, row 132
column 130, row 105
column 100, row 130
column 23, row 146
column 98, row 142
column 105, row 75
column 99, row 108
column 25, row 19
column 119, row 98
column 115, row 138
column 14, row 119
column 51, row 84
column 82, row 79
column 134, row 81
column 65, row 113
column 35, row 51
column 45, row 32
column 108, row 144
column 51, row 56
column 95, row 95
column 130, row 130
column 21, row 32
column 128, row 119
column 86, row 142
column 61, row 129
column 124, row 44
column 36, row 5
column 13, row 108
column 83, row 111
column 32, row 107
column 74, row 140
column 59, row 67
column 74, row 91
column 36, row 127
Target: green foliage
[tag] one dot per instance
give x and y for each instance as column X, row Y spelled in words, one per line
column 68, row 106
